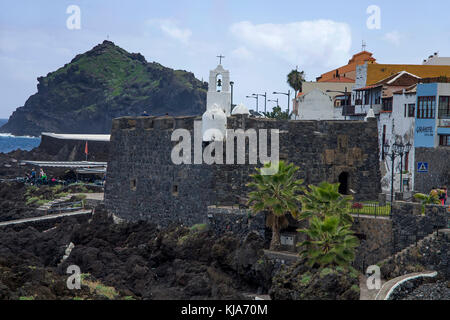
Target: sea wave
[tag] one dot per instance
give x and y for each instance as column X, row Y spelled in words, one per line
column 9, row 135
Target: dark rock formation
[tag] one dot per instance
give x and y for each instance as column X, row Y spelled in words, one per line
column 105, row 83
column 299, row 282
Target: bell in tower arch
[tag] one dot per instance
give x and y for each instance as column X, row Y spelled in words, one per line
column 219, row 83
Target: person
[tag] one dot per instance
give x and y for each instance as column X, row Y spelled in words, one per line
column 144, row 114
column 434, row 192
column 443, row 195
column 33, row 176
column 43, row 176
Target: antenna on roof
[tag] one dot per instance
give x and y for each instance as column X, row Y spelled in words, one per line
column 364, row 45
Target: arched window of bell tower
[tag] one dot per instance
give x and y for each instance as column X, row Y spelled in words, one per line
column 219, row 83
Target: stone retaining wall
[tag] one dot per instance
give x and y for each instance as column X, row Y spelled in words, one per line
column 431, row 254
column 375, row 236
column 410, row 226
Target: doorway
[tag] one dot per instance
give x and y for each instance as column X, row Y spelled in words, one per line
column 344, row 183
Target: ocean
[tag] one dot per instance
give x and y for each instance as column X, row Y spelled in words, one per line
column 10, row 143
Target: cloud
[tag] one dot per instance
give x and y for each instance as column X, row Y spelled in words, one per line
column 242, row 53
column 170, row 28
column 320, row 42
column 393, row 37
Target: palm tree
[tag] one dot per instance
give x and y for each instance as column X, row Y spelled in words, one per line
column 330, row 242
column 295, row 79
column 277, row 195
column 425, row 199
column 325, row 200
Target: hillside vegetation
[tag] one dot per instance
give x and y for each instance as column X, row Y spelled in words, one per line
column 101, row 84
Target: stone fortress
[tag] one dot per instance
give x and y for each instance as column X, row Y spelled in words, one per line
column 143, row 183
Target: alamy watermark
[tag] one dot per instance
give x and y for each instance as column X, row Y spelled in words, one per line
column 374, row 20
column 74, row 280
column 213, row 153
column 73, row 22
column 373, row 278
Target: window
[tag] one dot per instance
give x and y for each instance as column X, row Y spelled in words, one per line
column 411, row 110
column 377, row 100
column 426, row 107
column 366, row 97
column 387, row 104
column 444, row 140
column 383, row 156
column 444, row 107
column 133, row 184
column 175, row 190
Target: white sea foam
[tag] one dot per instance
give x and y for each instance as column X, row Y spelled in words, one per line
column 9, row 135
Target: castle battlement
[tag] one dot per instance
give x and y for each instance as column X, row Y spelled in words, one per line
column 233, row 122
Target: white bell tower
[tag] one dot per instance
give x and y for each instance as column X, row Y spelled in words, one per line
column 219, row 92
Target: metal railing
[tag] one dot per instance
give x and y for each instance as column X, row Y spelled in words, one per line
column 370, row 209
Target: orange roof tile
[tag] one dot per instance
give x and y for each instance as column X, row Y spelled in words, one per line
column 378, row 72
column 357, row 59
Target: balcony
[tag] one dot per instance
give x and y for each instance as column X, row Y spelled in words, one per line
column 348, row 110
column 444, row 122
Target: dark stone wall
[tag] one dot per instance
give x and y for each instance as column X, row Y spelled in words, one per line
column 410, row 226
column 439, row 168
column 143, row 183
column 431, row 254
column 383, row 237
column 376, row 240
column 73, row 150
column 238, row 221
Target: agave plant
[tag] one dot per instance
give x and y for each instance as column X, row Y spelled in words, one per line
column 325, row 200
column 277, row 195
column 330, row 242
column 425, row 199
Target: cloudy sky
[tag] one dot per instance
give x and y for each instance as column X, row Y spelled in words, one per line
column 262, row 40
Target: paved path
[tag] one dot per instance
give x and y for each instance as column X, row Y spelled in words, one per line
column 47, row 217
column 47, row 206
column 388, row 287
column 94, row 196
column 364, row 292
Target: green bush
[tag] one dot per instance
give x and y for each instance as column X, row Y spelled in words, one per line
column 199, row 227
column 32, row 200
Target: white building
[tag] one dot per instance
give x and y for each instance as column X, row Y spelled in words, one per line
column 317, row 105
column 398, row 126
column 435, row 60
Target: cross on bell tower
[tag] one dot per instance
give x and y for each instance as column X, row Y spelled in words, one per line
column 364, row 45
column 220, row 58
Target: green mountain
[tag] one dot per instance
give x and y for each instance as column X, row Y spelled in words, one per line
column 105, row 83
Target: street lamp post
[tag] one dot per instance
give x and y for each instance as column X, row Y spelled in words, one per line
column 397, row 149
column 254, row 97
column 406, row 150
column 288, row 94
column 276, row 101
column 265, row 99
